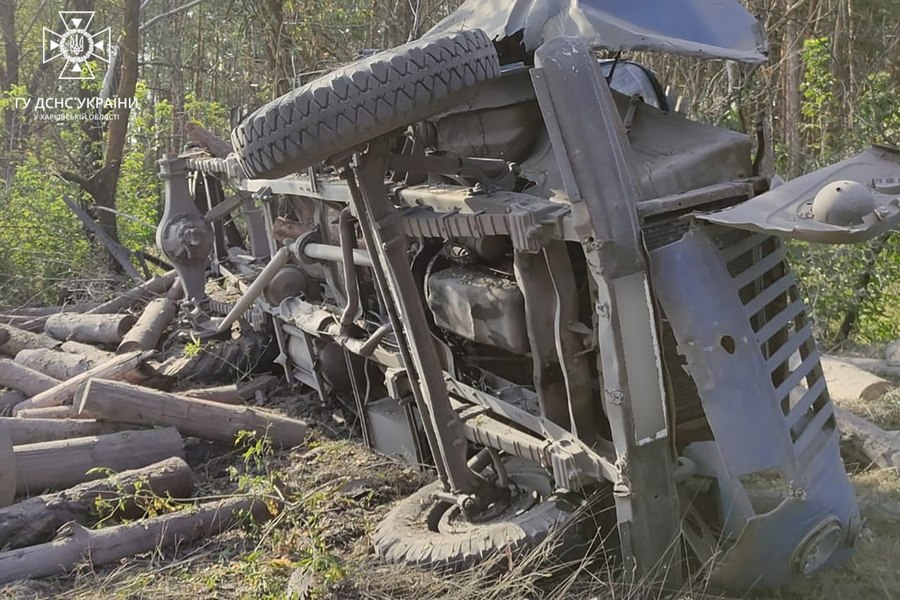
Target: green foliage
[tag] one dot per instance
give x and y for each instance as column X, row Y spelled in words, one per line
column 43, row 243
column 832, row 275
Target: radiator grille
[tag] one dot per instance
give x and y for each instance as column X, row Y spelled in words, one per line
column 773, row 306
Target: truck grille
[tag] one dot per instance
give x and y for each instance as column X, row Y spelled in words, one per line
column 775, row 310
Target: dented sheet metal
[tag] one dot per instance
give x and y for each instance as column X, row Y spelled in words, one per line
column 787, row 210
column 721, row 29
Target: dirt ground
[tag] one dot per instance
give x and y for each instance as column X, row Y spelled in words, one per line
column 333, row 492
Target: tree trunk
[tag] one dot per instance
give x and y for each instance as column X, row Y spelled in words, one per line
column 124, row 403
column 234, row 393
column 120, row 367
column 28, row 381
column 148, row 330
column 19, row 340
column 848, row 382
column 90, row 328
column 108, row 545
column 7, row 469
column 92, row 353
column 63, row 463
column 34, row 431
column 56, row 364
column 36, row 520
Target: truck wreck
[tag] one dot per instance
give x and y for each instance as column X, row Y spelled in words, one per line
column 520, row 266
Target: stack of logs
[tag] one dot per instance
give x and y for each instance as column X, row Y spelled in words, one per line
column 84, row 422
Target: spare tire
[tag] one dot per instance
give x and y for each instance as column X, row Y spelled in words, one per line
column 363, row 100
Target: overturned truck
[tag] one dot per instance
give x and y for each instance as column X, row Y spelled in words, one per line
column 517, row 264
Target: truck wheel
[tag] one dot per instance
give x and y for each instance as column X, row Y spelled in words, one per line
column 425, row 532
column 363, row 100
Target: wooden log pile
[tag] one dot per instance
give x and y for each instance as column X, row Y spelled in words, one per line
column 88, row 436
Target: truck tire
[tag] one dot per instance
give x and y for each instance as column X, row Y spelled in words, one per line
column 363, row 100
column 420, row 530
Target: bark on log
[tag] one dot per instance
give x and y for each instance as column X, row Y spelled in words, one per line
column 36, row 520
column 102, row 546
column 66, row 412
column 63, row 463
column 156, row 286
column 33, row 311
column 892, row 354
column 881, row 447
column 125, row 403
column 4, row 336
column 7, row 470
column 92, row 353
column 23, row 430
column 847, row 382
column 9, row 399
column 119, row 367
column 234, row 393
column 90, row 329
column 28, row 323
column 28, row 381
column 149, row 328
column 56, row 364
column 876, row 366
column 20, row 340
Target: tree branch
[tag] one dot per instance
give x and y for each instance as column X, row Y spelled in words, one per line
column 169, row 13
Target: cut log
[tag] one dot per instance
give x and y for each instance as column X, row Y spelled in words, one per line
column 63, row 463
column 92, row 353
column 847, row 382
column 881, row 447
column 156, row 286
column 892, row 354
column 56, row 364
column 49, row 412
column 102, row 546
column 90, row 328
column 125, row 403
column 234, row 393
column 119, row 367
column 876, row 366
column 19, row 340
column 36, row 520
column 28, row 381
column 23, row 430
column 33, row 311
column 9, row 399
column 148, row 330
column 4, row 336
column 28, row 323
column 7, row 470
